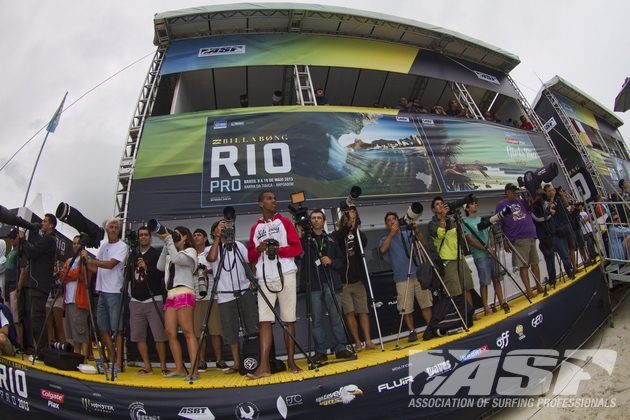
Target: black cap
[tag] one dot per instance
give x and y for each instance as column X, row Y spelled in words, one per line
column 510, row 186
column 13, row 233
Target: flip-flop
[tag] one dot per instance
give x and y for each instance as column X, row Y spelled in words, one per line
column 230, row 370
column 174, row 375
column 144, row 371
column 165, row 372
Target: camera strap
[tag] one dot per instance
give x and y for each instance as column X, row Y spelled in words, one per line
column 171, row 276
column 281, row 277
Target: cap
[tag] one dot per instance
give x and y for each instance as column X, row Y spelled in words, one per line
column 199, row 230
column 510, row 186
column 13, row 233
column 474, row 200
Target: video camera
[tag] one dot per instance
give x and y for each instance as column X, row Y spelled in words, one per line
column 91, row 233
column 300, row 214
column 229, row 234
column 486, row 222
column 531, row 180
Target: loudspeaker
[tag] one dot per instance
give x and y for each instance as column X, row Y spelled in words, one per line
column 61, row 359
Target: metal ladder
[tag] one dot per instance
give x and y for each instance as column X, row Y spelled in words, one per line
column 304, row 92
column 580, row 147
column 463, row 97
column 142, row 111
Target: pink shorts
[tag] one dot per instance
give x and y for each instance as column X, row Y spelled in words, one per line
column 184, row 300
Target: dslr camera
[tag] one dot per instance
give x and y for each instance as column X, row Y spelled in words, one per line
column 272, row 248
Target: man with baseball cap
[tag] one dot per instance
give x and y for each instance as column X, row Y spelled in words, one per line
column 518, row 227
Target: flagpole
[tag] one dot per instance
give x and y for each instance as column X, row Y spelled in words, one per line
column 49, row 129
column 30, row 181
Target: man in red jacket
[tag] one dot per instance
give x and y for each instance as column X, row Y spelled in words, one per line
column 273, row 244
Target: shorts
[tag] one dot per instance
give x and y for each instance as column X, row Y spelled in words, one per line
column 199, row 315
column 424, row 298
column 242, row 309
column 451, row 276
column 527, row 249
column 108, row 312
column 77, row 322
column 354, row 298
column 484, row 270
column 287, row 299
column 143, row 314
column 180, row 301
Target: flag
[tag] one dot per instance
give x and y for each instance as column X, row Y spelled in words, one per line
column 54, row 121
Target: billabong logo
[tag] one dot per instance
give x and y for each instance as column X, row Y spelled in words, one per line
column 223, row 50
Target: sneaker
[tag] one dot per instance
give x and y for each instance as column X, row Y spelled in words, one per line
column 413, row 336
column 222, row 365
column 319, row 358
column 345, row 354
column 203, row 366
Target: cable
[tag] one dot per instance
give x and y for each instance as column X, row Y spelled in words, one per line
column 73, row 103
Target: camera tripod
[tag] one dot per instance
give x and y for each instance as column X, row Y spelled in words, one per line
column 231, row 247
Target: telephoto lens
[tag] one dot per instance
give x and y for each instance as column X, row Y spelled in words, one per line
column 202, row 281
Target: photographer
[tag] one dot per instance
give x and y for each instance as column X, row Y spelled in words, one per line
column 235, row 297
column 353, row 295
column 203, row 285
column 39, row 278
column 109, row 266
column 519, row 230
column 565, row 235
column 443, row 231
column 178, row 260
column 273, row 245
column 76, row 299
column 399, row 246
column 322, row 268
column 145, row 306
column 481, row 256
column 542, row 213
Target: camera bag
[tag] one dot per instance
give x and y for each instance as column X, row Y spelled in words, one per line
column 60, row 359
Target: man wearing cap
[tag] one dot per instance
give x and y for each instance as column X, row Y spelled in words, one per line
column 518, row 227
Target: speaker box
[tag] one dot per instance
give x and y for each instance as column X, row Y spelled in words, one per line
column 61, row 359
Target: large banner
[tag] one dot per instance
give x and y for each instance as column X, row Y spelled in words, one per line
column 196, row 164
column 321, row 50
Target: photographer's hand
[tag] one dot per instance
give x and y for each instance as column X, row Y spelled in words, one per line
column 262, row 247
column 326, row 261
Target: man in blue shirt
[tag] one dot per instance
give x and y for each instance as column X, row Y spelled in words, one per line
column 399, row 245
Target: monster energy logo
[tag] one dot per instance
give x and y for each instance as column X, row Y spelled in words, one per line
column 96, row 407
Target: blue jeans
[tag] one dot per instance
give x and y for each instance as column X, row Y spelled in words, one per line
column 560, row 245
column 324, row 311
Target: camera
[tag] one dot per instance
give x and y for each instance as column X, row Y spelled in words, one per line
column 272, row 248
column 355, row 193
column 487, row 222
column 228, row 233
column 300, row 214
column 452, row 207
column 531, row 180
column 155, row 227
column 9, row 218
column 202, row 280
column 414, row 211
column 93, row 233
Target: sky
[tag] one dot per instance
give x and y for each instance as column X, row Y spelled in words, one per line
column 49, row 48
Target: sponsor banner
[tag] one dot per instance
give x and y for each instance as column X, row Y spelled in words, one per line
column 286, row 49
column 196, row 164
column 576, row 112
column 398, row 387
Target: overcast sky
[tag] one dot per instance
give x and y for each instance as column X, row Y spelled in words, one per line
column 49, row 48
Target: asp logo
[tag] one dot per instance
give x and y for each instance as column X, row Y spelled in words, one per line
column 223, row 50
